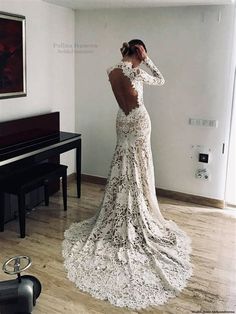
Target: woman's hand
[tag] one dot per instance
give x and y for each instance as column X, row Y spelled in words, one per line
column 141, row 53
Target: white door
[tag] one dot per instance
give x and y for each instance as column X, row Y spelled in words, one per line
column 230, row 191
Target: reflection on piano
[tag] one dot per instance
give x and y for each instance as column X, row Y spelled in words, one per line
column 36, row 139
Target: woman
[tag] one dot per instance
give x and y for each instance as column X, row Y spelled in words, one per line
column 128, row 253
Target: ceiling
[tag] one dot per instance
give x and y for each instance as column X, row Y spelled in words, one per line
column 99, row 4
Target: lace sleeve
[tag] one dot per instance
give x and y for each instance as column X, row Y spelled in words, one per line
column 155, row 79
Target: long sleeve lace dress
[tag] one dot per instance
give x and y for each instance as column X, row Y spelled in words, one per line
column 128, row 253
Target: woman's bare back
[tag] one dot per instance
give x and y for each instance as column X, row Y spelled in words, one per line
column 125, row 94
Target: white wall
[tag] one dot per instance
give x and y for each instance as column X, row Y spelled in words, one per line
column 192, row 47
column 50, row 70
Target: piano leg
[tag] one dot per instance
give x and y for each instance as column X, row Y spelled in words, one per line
column 46, row 194
column 21, row 208
column 64, row 190
column 78, row 169
column 2, row 211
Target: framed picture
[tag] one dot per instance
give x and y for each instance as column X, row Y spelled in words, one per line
column 12, row 56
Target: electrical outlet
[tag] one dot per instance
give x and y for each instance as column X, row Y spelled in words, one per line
column 203, row 174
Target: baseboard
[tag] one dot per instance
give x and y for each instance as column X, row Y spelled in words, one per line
column 93, row 179
column 230, row 205
column 200, row 200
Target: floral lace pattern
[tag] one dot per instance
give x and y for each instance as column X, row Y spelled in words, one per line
column 128, row 253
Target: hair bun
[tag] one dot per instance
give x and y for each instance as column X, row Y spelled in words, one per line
column 126, row 45
column 125, row 48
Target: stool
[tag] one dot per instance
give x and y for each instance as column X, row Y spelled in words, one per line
column 25, row 181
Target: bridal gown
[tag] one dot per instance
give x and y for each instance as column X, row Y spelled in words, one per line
column 128, row 253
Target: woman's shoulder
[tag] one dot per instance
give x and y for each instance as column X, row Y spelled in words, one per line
column 110, row 68
column 115, row 66
column 125, row 66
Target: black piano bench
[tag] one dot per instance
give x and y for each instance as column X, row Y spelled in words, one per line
column 27, row 180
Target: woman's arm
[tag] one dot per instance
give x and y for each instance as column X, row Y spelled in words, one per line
column 156, row 78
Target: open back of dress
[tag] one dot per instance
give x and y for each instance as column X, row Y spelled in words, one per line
column 125, row 94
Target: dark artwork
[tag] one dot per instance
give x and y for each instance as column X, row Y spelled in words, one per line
column 11, row 58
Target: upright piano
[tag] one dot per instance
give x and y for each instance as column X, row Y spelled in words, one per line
column 31, row 140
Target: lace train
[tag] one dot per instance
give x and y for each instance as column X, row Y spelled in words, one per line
column 130, row 277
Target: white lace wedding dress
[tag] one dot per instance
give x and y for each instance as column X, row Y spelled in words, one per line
column 128, row 253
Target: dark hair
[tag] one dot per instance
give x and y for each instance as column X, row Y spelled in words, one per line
column 128, row 49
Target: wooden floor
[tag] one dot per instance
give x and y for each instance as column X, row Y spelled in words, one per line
column 211, row 289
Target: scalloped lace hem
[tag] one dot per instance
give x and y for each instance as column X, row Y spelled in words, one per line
column 126, row 277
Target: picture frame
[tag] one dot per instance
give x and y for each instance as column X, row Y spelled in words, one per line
column 12, row 56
